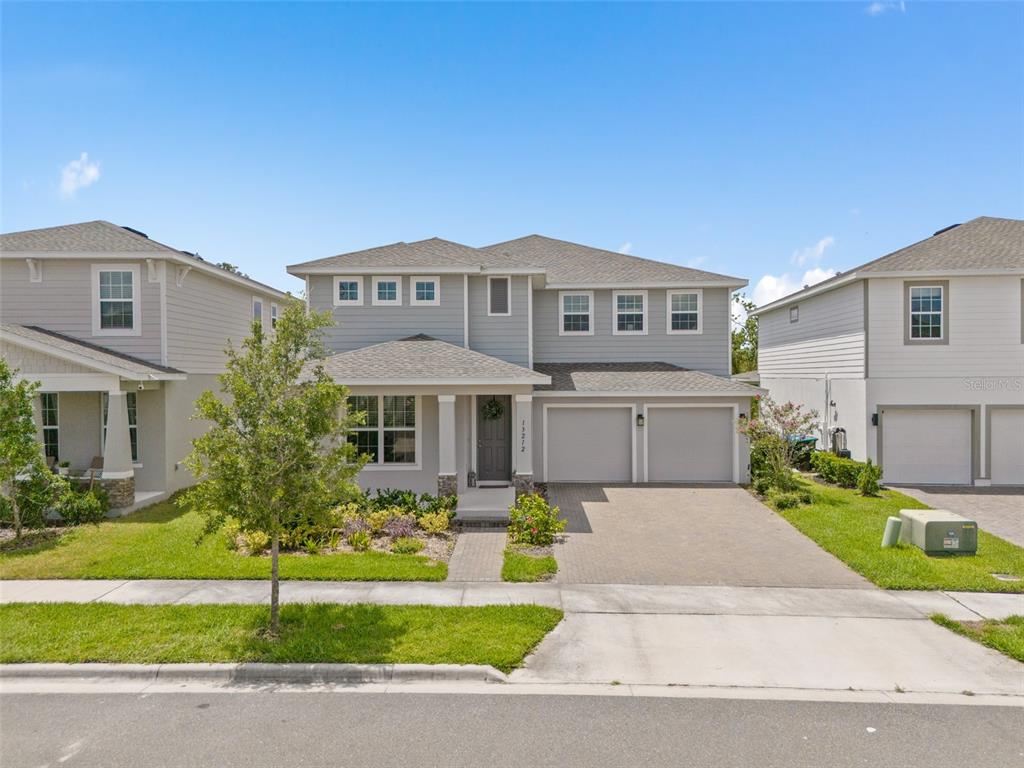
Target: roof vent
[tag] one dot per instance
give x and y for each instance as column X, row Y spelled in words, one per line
column 135, row 231
column 946, row 229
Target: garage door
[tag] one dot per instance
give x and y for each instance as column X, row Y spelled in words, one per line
column 1006, row 461
column 689, row 445
column 589, row 445
column 926, row 447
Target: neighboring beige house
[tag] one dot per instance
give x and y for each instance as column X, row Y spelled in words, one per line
column 123, row 333
column 918, row 356
column 534, row 360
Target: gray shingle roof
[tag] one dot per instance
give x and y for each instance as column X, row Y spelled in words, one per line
column 87, row 237
column 572, row 263
column 434, row 252
column 635, row 377
column 424, row 359
column 83, row 349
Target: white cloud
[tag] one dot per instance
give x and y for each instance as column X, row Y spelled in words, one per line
column 772, row 287
column 696, row 261
column 812, row 253
column 626, row 247
column 78, row 174
column 878, row 8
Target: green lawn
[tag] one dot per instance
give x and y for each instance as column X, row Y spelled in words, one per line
column 521, row 567
column 159, row 542
column 500, row 635
column 1006, row 636
column 850, row 527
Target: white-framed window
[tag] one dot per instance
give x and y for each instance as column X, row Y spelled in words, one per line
column 629, row 313
column 348, row 291
column 116, row 305
column 274, row 312
column 387, row 291
column 926, row 310
column 389, row 434
column 257, row 310
column 49, row 403
column 133, row 423
column 576, row 313
column 499, row 296
column 684, row 311
column 794, row 314
column 425, row 291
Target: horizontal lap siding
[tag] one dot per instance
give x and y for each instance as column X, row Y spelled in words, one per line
column 361, row 326
column 505, row 337
column 828, row 338
column 707, row 351
column 30, row 361
column 62, row 302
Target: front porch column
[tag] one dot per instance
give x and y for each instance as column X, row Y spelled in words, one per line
column 522, row 444
column 447, row 478
column 118, row 477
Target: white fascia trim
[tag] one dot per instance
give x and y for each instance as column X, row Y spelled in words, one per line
column 615, row 312
column 735, row 434
column 450, row 382
column 336, row 279
column 734, row 284
column 615, row 393
column 435, row 279
column 397, row 280
column 136, row 329
column 89, row 362
column 561, row 313
column 700, row 313
column 632, row 430
column 380, row 269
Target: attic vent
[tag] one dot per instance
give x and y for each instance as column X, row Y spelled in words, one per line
column 946, row 229
column 137, row 232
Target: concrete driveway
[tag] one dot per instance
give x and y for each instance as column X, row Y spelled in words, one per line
column 691, row 535
column 1000, row 511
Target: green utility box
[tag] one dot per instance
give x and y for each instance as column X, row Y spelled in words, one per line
column 938, row 531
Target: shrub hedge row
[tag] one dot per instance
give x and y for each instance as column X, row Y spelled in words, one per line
column 833, row 469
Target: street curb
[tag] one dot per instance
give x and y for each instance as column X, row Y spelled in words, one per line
column 258, row 673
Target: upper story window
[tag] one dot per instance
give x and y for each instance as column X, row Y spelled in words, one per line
column 388, row 434
column 51, row 424
column 629, row 309
column 116, row 308
column 257, row 310
column 684, row 311
column 794, row 314
column 387, row 291
column 425, row 292
column 348, row 291
column 499, row 296
column 576, row 313
column 927, row 307
column 274, row 311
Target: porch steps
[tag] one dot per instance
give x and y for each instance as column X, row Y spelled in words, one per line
column 484, row 507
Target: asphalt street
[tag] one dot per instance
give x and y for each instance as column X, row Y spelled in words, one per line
column 255, row 729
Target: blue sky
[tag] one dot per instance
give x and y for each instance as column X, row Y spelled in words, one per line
column 774, row 142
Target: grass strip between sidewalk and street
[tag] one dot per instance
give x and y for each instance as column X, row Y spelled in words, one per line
column 499, row 635
column 163, row 542
column 850, row 527
column 518, row 566
column 1004, row 635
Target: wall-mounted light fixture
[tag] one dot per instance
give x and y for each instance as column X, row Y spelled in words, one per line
column 874, row 419
column 639, row 419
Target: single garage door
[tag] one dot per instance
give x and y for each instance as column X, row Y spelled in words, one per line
column 589, row 445
column 926, row 447
column 1006, row 461
column 689, row 445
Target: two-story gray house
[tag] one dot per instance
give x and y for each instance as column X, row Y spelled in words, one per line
column 532, row 360
column 123, row 333
column 918, row 356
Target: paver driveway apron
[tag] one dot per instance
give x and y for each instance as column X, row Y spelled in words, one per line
column 715, row 534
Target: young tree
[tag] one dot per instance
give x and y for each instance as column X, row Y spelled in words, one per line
column 772, row 436
column 20, row 453
column 744, row 336
column 276, row 452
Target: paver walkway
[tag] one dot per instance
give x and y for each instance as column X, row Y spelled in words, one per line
column 621, row 534
column 478, row 555
column 1000, row 511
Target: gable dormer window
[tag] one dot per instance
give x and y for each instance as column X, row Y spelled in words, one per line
column 425, row 292
column 348, row 291
column 499, row 296
column 116, row 307
column 387, row 291
column 630, row 312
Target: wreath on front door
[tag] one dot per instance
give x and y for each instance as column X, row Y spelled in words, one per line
column 493, row 410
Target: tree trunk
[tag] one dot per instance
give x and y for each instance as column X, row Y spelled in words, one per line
column 15, row 512
column 275, row 609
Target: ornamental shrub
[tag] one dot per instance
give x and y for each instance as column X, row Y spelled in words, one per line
column 79, row 507
column 533, row 521
column 867, row 480
column 256, row 541
column 406, row 545
column 435, row 522
column 762, row 485
column 836, row 470
column 400, row 527
column 359, row 540
column 787, row 500
column 230, row 531
column 378, row 518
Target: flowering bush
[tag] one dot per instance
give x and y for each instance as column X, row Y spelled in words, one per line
column 773, row 435
column 400, row 527
column 533, row 521
column 356, row 525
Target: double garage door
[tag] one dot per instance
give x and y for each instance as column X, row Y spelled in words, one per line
column 596, row 444
column 934, row 447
